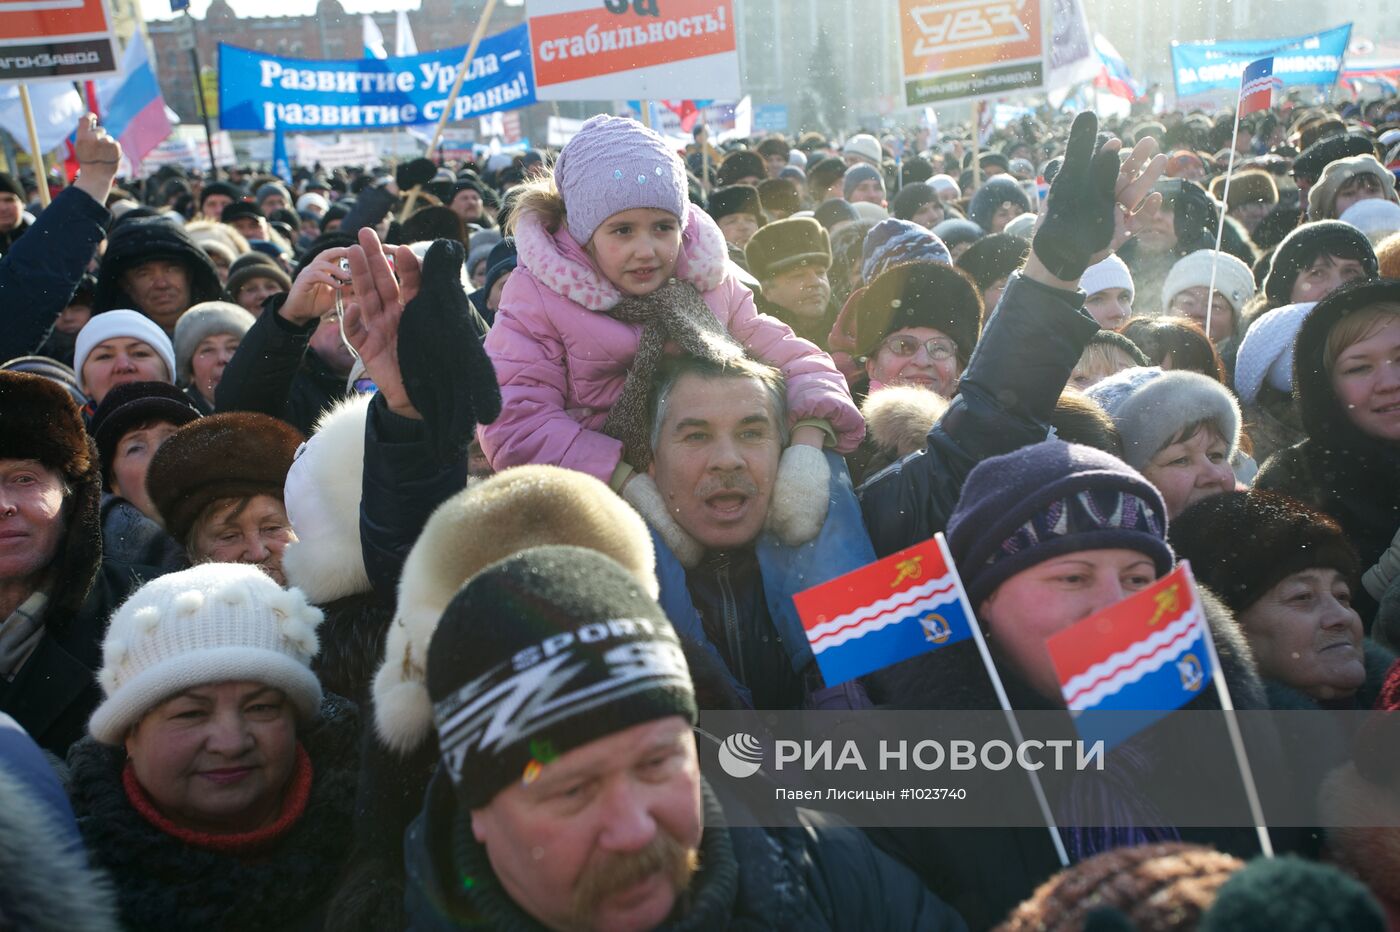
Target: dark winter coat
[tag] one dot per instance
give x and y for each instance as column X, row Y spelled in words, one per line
column 275, row 372
column 403, row 485
column 164, row 883
column 1338, row 469
column 141, row 240
column 55, row 692
column 1020, row 367
column 40, row 274
column 128, row 536
column 984, row 872
column 809, row 878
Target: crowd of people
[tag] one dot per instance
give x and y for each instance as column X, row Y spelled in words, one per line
column 370, row 543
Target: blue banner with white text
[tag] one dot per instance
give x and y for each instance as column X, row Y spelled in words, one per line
column 259, row 91
column 1201, row 68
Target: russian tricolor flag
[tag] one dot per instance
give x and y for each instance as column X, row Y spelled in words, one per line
column 1114, row 75
column 1146, row 654
column 133, row 108
column 1257, row 86
column 909, row 603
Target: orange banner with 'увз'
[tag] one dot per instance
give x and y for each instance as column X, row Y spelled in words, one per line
column 591, row 42
column 939, row 36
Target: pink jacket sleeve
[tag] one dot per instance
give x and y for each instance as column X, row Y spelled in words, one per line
column 530, row 365
column 816, row 389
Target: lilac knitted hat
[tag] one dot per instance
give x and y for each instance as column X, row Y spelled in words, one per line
column 616, row 164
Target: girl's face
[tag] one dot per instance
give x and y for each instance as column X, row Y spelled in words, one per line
column 1366, row 378
column 637, row 249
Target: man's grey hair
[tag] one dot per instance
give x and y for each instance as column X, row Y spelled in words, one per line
column 673, row 370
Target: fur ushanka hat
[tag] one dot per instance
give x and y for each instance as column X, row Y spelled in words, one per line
column 528, row 506
column 221, row 456
column 40, row 421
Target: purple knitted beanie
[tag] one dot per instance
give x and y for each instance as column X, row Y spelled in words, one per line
column 616, row 164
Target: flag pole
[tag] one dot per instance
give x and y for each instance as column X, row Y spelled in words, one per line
column 1000, row 689
column 976, row 144
column 41, row 174
column 452, row 99
column 1224, row 208
column 1227, row 706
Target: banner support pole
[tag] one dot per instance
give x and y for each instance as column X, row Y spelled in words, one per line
column 199, row 92
column 477, row 35
column 41, row 173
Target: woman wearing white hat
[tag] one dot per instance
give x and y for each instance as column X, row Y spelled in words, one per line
column 1184, row 292
column 117, row 347
column 218, row 782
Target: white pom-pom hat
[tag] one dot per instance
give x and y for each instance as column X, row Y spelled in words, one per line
column 212, row 623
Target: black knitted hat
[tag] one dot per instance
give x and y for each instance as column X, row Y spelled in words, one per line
column 542, row 653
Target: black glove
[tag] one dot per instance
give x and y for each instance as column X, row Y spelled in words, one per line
column 416, row 172
column 1081, row 210
column 446, row 372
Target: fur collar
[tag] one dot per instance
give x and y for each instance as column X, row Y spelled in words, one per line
column 899, row 417
column 160, row 880
column 558, row 262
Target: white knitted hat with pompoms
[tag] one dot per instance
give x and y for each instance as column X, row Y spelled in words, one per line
column 212, row 623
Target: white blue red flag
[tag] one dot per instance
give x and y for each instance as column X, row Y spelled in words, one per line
column 1114, row 76
column 1257, row 86
column 1146, row 654
column 133, row 108
column 907, row 604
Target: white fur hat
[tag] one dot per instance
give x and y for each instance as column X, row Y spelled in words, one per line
column 1149, row 406
column 124, row 323
column 322, row 495
column 1266, row 352
column 1376, row 217
column 528, row 506
column 212, row 623
column 1234, row 280
column 1110, row 273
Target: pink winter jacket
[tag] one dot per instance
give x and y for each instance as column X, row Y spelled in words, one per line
column 561, row 360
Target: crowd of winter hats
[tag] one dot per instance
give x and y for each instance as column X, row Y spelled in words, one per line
column 538, row 561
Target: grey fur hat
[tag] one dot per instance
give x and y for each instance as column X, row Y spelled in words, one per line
column 1150, row 406
column 206, row 320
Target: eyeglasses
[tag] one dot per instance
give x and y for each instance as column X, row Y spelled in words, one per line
column 938, row 348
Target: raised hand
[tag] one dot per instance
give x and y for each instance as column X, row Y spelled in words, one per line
column 312, row 294
column 373, row 316
column 1093, row 196
column 99, row 156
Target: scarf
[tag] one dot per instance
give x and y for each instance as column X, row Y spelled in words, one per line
column 21, row 632
column 241, row 843
column 675, row 314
